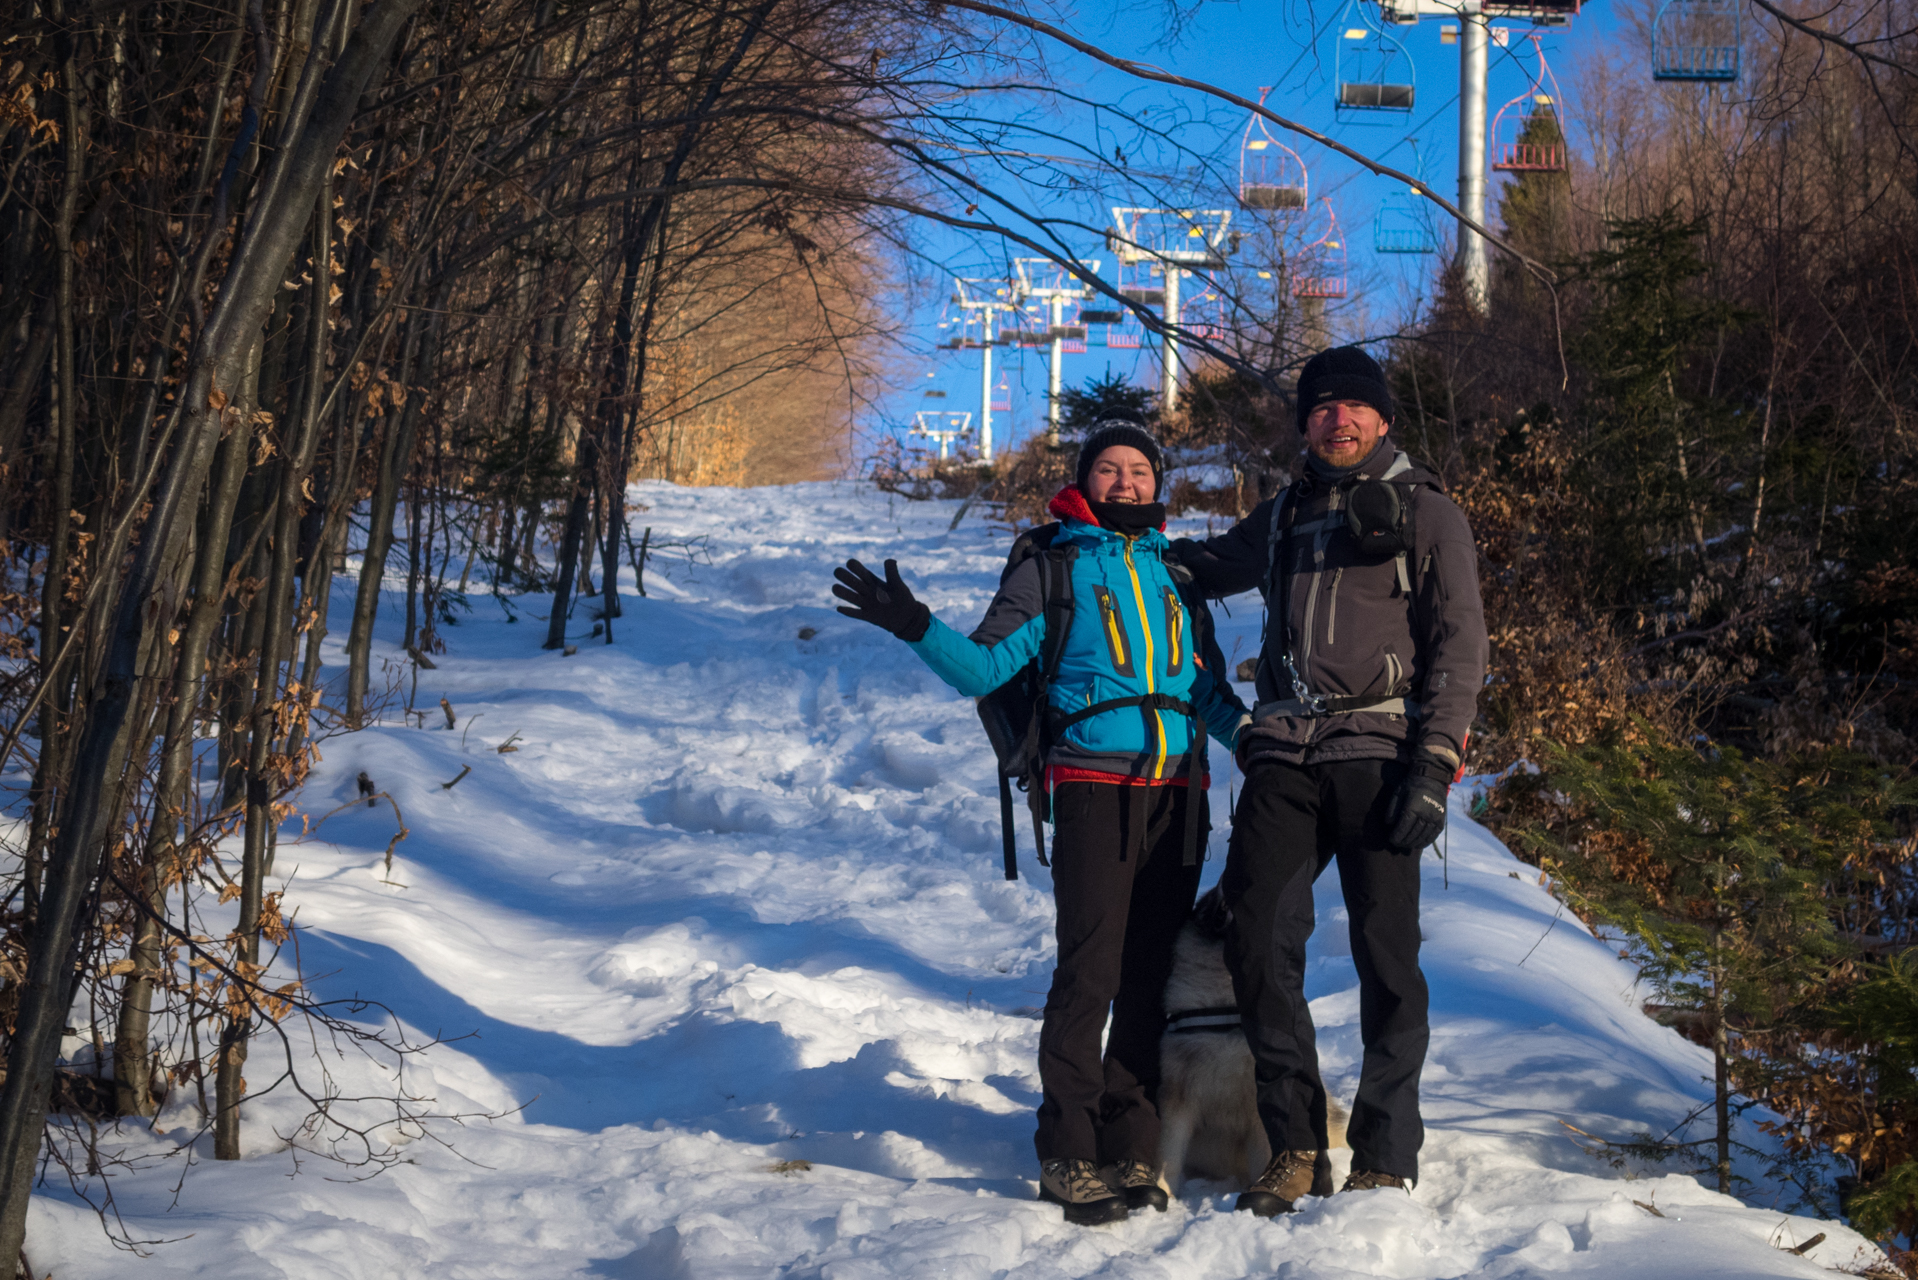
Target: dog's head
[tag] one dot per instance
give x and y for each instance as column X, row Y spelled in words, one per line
column 1211, row 914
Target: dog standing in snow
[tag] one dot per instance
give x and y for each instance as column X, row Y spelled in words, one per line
column 1207, row 1104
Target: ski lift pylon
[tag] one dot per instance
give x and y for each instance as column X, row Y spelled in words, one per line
column 1371, row 68
column 1529, row 131
column 1272, row 177
column 1696, row 40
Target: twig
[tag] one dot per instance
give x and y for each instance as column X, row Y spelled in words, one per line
column 1548, row 930
column 451, row 720
column 507, row 746
column 398, row 836
column 639, row 557
column 469, row 726
column 464, row 770
column 1802, row 1249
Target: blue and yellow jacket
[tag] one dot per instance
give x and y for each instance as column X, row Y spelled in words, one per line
column 1130, row 636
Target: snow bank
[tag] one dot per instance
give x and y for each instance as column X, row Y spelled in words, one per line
column 730, row 925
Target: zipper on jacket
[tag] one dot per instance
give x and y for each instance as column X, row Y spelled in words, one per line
column 1145, row 626
column 1175, row 633
column 1113, row 625
column 1332, row 611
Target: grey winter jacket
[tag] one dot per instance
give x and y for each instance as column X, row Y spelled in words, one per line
column 1354, row 629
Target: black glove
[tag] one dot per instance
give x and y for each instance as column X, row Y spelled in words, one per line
column 1416, row 813
column 887, row 604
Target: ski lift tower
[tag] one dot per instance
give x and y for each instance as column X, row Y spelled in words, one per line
column 1474, row 34
column 1175, row 242
column 943, row 426
column 1044, row 280
column 985, row 297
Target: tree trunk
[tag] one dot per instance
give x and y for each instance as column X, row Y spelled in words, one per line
column 584, row 474
column 1721, row 1074
column 134, row 1088
column 417, row 361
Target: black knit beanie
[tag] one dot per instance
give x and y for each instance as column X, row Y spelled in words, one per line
column 1116, row 431
column 1343, row 373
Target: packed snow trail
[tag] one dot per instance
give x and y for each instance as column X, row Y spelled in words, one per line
column 734, row 903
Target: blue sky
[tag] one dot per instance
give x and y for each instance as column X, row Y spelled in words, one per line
column 1242, row 47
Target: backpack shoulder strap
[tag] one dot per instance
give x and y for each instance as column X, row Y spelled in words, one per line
column 1055, row 588
column 1280, row 501
column 1032, row 542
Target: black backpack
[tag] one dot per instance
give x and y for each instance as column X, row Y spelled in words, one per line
column 1015, row 715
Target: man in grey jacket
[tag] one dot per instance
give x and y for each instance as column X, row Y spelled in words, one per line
column 1374, row 653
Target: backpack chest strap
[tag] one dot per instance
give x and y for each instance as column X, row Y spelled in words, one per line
column 1150, row 701
column 1334, row 705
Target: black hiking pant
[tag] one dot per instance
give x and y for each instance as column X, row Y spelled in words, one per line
column 1292, row 821
column 1123, row 893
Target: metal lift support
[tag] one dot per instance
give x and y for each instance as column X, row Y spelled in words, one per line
column 987, row 297
column 1044, row 280
column 942, row 425
column 1178, row 241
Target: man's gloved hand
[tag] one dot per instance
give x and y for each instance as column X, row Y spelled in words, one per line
column 887, row 604
column 1416, row 813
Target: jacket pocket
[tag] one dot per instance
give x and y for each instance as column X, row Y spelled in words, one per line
column 1174, row 633
column 1112, row 626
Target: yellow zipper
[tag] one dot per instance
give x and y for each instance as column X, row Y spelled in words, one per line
column 1145, row 625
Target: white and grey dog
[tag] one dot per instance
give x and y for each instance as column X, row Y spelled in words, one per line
column 1208, row 1114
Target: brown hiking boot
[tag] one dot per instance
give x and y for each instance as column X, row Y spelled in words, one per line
column 1138, row 1182
column 1076, row 1186
column 1289, row 1176
column 1372, row 1180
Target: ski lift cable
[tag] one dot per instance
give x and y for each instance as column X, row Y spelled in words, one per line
column 1146, row 71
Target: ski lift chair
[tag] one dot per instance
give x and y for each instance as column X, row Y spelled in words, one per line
column 1401, row 226
column 1071, row 334
column 1376, row 82
column 1137, row 286
column 1528, row 132
column 1696, row 40
column 1272, row 178
column 1321, row 271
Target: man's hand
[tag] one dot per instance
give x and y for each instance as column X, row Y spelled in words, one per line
column 1416, row 813
column 887, row 604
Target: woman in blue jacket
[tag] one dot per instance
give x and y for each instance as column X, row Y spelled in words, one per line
column 1129, row 693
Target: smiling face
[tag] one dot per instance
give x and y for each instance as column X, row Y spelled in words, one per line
column 1343, row 432
column 1120, row 474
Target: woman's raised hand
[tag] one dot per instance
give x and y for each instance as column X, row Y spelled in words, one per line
column 887, row 604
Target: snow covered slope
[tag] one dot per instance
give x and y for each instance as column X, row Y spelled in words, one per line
column 734, row 904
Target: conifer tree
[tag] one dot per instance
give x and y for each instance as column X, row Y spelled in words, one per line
column 1716, row 871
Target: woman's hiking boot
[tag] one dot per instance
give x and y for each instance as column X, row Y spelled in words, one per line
column 1075, row 1185
column 1372, row 1180
column 1138, row 1182
column 1291, row 1174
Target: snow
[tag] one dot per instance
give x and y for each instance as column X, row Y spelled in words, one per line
column 735, row 904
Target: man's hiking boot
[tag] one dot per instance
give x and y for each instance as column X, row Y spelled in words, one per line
column 1138, row 1182
column 1076, row 1186
column 1291, row 1174
column 1372, row 1179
